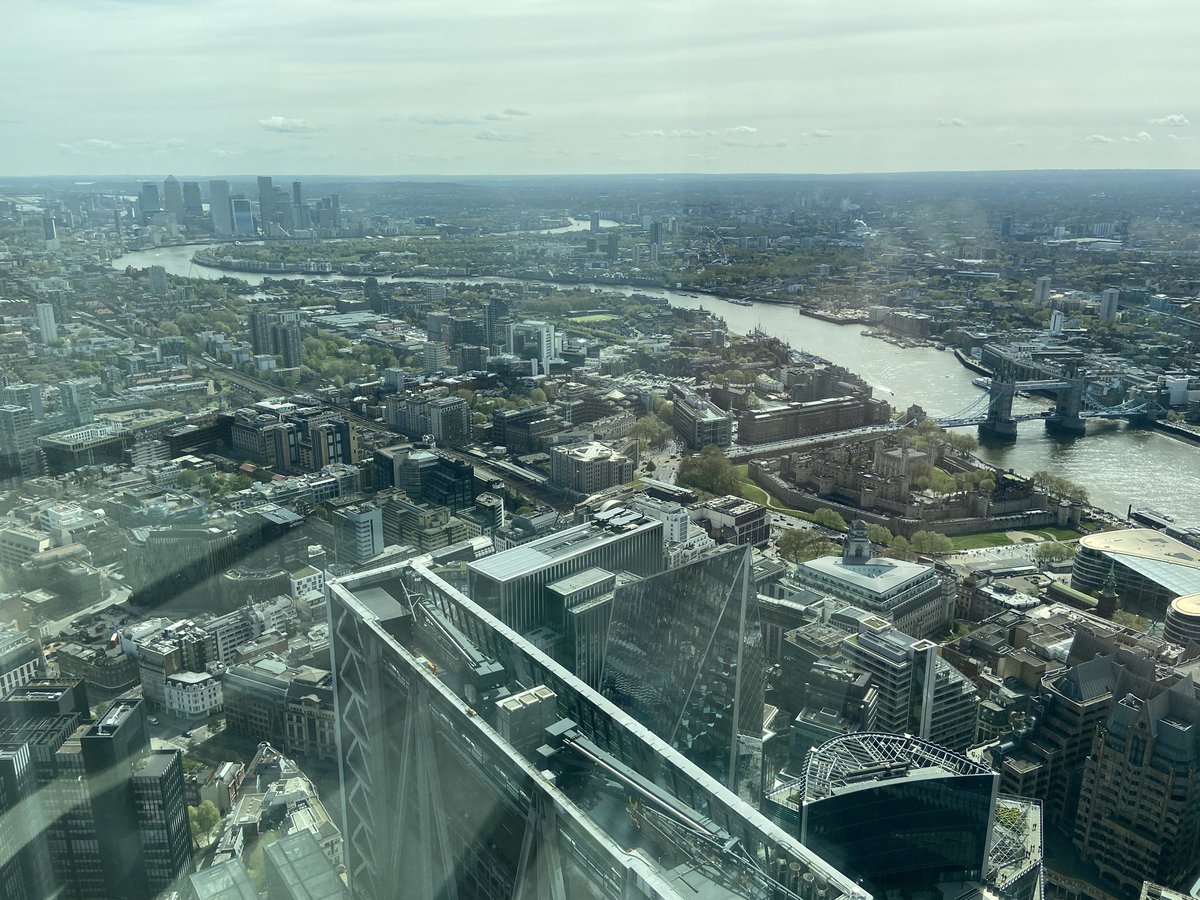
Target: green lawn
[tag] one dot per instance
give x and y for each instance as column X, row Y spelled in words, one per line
column 978, row 541
column 599, row 317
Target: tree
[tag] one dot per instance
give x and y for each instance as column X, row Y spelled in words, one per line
column 961, row 442
column 880, row 535
column 802, row 544
column 650, row 430
column 203, row 818
column 1052, row 552
column 830, row 519
column 188, row 479
column 537, row 395
column 710, row 470
column 930, row 542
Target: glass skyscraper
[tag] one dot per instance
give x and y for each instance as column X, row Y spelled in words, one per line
column 685, row 657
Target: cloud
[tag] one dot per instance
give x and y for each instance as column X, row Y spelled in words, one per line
column 91, row 145
column 822, row 133
column 955, row 122
column 427, row 119
column 1179, row 137
column 1141, row 137
column 1098, row 139
column 771, row 144
column 742, row 129
column 672, row 134
column 509, row 111
column 497, row 117
column 1172, row 121
column 284, row 125
column 487, row 134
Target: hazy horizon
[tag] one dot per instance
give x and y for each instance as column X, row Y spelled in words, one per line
column 534, row 87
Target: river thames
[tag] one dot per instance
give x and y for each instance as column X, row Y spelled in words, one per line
column 1119, row 466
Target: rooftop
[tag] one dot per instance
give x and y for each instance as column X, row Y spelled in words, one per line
column 546, row 551
column 877, row 576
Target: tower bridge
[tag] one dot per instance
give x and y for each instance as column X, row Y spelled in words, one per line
column 1078, row 396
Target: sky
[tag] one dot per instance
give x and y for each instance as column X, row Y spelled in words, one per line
column 500, row 87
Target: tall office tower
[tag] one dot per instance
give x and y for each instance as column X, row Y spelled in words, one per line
column 219, row 209
column 282, row 206
column 173, row 198
column 161, row 811
column 289, row 342
column 50, row 232
column 594, row 224
column 1109, row 304
column 158, row 281
column 901, row 815
column 47, row 326
column 148, row 202
column 25, row 867
column 243, row 215
column 684, row 656
column 266, row 202
column 495, row 333
column 193, row 201
column 77, row 402
column 20, row 456
column 335, row 204
column 27, row 395
column 357, row 533
column 1139, row 807
column 1006, row 226
column 919, row 692
column 655, row 233
column 1041, row 291
column 613, row 246
column 117, row 222
column 299, row 219
column 437, row 802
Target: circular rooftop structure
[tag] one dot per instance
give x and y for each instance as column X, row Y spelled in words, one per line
column 868, row 758
column 1183, row 620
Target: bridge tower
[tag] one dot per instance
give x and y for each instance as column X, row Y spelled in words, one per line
column 1068, row 402
column 1000, row 424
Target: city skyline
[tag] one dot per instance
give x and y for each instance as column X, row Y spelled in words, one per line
column 546, row 89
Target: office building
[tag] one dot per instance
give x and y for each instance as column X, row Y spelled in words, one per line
column 295, row 869
column 21, row 658
column 219, row 209
column 193, row 203
column 901, row 815
column 428, row 781
column 289, row 343
column 912, row 596
column 588, row 468
column 25, row 867
column 732, row 520
column 1183, row 620
column 267, row 214
column 47, row 327
column 20, row 456
column 161, row 811
column 511, row 585
column 148, row 202
column 291, row 707
column 173, row 198
column 357, row 533
column 242, row 214
column 684, row 656
column 76, row 401
column 533, row 340
column 224, row 880
column 496, row 322
column 919, row 693
column 1149, row 568
column 796, row 420
column 50, row 232
column 698, row 422
column 27, row 395
column 1137, row 817
column 450, row 422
